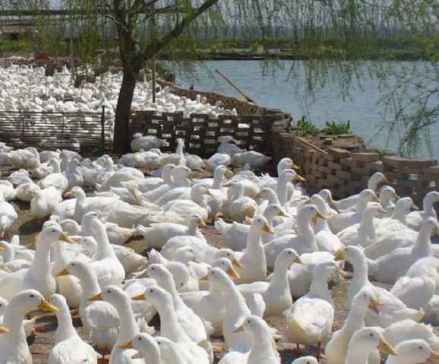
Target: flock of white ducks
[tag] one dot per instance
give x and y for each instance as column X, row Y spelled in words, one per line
column 133, row 247
column 27, row 88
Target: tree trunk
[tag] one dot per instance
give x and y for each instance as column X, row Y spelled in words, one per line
column 121, row 143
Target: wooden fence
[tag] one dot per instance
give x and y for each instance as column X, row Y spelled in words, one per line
column 84, row 132
column 201, row 131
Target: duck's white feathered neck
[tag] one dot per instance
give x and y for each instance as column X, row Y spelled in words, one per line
column 305, row 230
column 366, row 229
column 255, row 251
column 282, row 188
column 218, row 178
column 167, row 174
column 169, row 325
column 357, row 353
column 13, row 320
column 319, row 286
column 171, row 355
column 422, row 247
column 279, row 281
column 428, row 206
column 128, row 326
column 65, row 329
column 262, row 346
column 89, row 283
column 40, row 267
column 360, row 277
column 104, row 249
column 168, row 284
column 355, row 320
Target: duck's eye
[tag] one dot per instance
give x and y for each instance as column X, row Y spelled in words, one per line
column 371, row 335
column 290, row 253
column 108, row 290
column 420, row 348
column 151, row 291
column 32, row 295
column 139, row 339
column 152, row 268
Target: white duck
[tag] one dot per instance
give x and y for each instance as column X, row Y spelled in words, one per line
column 146, row 142
column 189, row 321
column 158, row 234
column 392, row 232
column 253, row 263
column 147, row 346
column 69, row 347
column 262, row 347
column 218, row 159
column 350, row 217
column 325, row 238
column 374, row 183
column 237, row 206
column 128, row 326
column 27, row 324
column 100, row 319
column 311, row 317
column 13, row 345
column 235, row 314
column 392, row 308
column 413, row 352
column 276, row 293
column 228, row 145
column 8, row 190
column 8, row 215
column 388, row 268
column 406, row 330
column 170, row 326
column 10, row 262
column 362, row 233
column 209, row 305
column 196, row 205
column 367, row 342
column 251, row 158
column 56, row 179
column 285, row 188
column 179, row 353
column 416, row 218
column 235, row 234
column 38, row 276
column 303, row 242
column 337, row 346
column 45, row 202
column 415, row 292
column 107, row 266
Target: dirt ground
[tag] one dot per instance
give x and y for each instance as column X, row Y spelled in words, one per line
column 46, row 326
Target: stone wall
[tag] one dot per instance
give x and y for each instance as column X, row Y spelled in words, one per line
column 345, row 172
column 201, row 131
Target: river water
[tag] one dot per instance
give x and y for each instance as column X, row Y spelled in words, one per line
column 323, row 91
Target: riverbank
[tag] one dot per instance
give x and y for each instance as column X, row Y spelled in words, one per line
column 396, row 49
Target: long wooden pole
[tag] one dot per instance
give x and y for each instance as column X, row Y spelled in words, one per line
column 235, row 87
column 153, row 80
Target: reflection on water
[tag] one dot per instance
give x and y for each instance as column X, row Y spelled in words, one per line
column 322, row 92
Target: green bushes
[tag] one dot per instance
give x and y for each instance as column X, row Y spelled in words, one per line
column 307, row 128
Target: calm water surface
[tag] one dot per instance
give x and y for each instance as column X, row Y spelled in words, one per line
column 318, row 91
